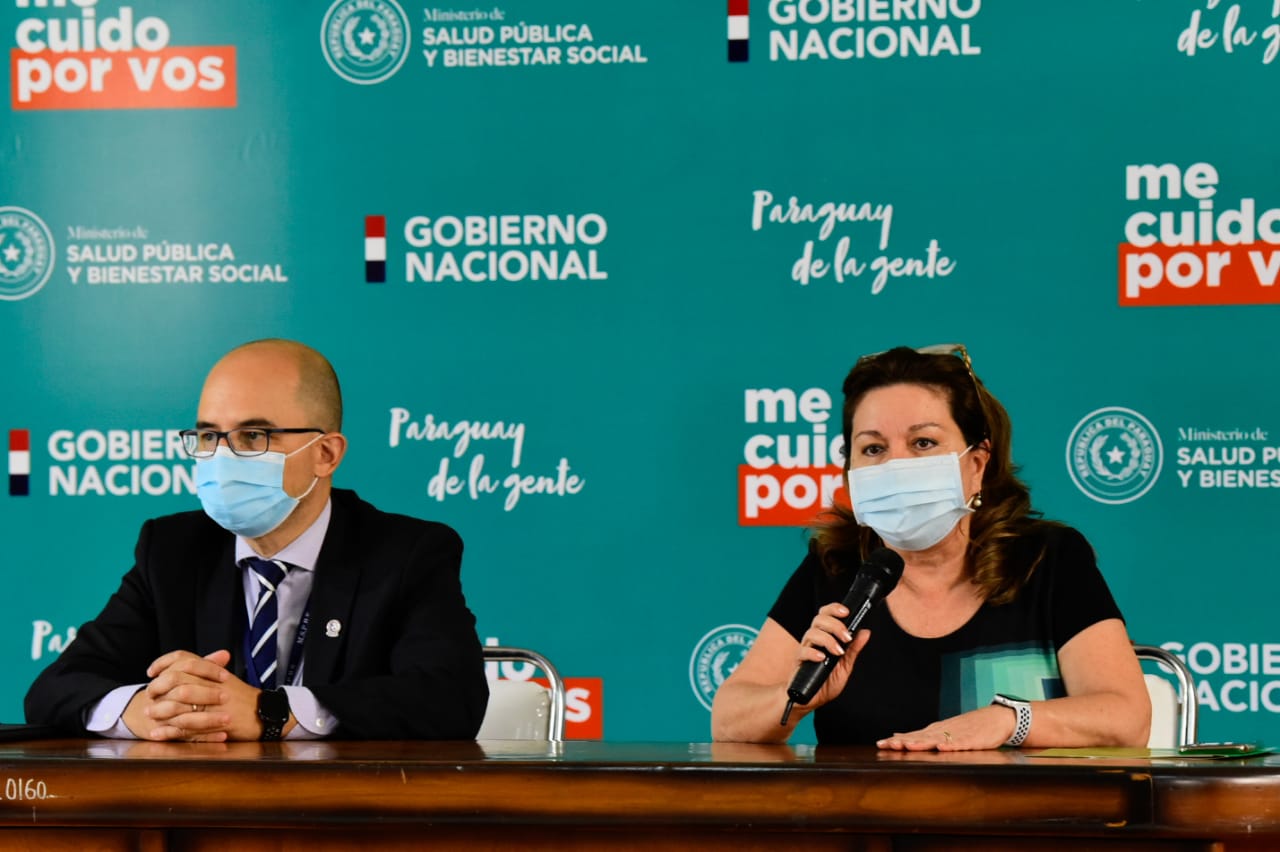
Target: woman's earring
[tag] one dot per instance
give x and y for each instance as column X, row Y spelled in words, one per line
column 975, row 502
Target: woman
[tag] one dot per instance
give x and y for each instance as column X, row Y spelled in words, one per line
column 1001, row 630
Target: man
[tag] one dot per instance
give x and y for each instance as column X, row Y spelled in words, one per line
column 285, row 609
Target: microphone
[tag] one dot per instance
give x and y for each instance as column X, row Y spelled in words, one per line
column 875, row 578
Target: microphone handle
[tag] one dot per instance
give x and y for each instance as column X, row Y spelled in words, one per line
column 812, row 675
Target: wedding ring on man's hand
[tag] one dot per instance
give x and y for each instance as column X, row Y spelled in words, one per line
column 947, row 734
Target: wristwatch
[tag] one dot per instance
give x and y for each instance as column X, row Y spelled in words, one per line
column 1023, row 709
column 273, row 712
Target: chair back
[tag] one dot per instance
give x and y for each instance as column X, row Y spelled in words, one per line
column 1174, row 717
column 523, row 709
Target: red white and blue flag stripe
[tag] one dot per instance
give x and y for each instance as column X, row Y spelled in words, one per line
column 375, row 249
column 739, row 30
column 19, row 462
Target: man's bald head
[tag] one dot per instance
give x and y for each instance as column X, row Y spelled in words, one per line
column 315, row 383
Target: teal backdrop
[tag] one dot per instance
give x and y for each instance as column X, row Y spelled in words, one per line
column 608, row 280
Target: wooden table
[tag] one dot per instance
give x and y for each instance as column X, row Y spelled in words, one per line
column 102, row 794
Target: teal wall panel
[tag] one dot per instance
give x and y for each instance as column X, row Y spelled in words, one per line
column 1011, row 157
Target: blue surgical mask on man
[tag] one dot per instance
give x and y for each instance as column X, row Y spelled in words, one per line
column 911, row 503
column 245, row 494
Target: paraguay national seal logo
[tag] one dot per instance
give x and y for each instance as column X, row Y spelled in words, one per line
column 716, row 656
column 1114, row 455
column 365, row 41
column 26, row 253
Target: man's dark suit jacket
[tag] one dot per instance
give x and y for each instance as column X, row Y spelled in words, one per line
column 406, row 663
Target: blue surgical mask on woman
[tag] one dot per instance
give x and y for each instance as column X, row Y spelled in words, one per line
column 911, row 503
column 245, row 494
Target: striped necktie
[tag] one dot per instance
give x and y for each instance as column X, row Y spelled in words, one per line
column 260, row 646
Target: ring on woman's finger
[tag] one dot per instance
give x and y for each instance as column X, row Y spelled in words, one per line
column 947, row 734
column 195, row 709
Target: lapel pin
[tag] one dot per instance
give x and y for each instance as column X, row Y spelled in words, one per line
column 332, row 628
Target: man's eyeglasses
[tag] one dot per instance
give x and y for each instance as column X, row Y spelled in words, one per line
column 249, row 441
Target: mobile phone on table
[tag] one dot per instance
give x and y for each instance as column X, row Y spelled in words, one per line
column 1218, row 748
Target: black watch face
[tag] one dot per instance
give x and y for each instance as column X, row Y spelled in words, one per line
column 273, row 712
column 273, row 707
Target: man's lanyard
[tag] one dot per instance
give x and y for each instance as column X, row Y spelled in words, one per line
column 299, row 638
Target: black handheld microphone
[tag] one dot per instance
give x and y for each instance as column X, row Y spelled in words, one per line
column 875, row 578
